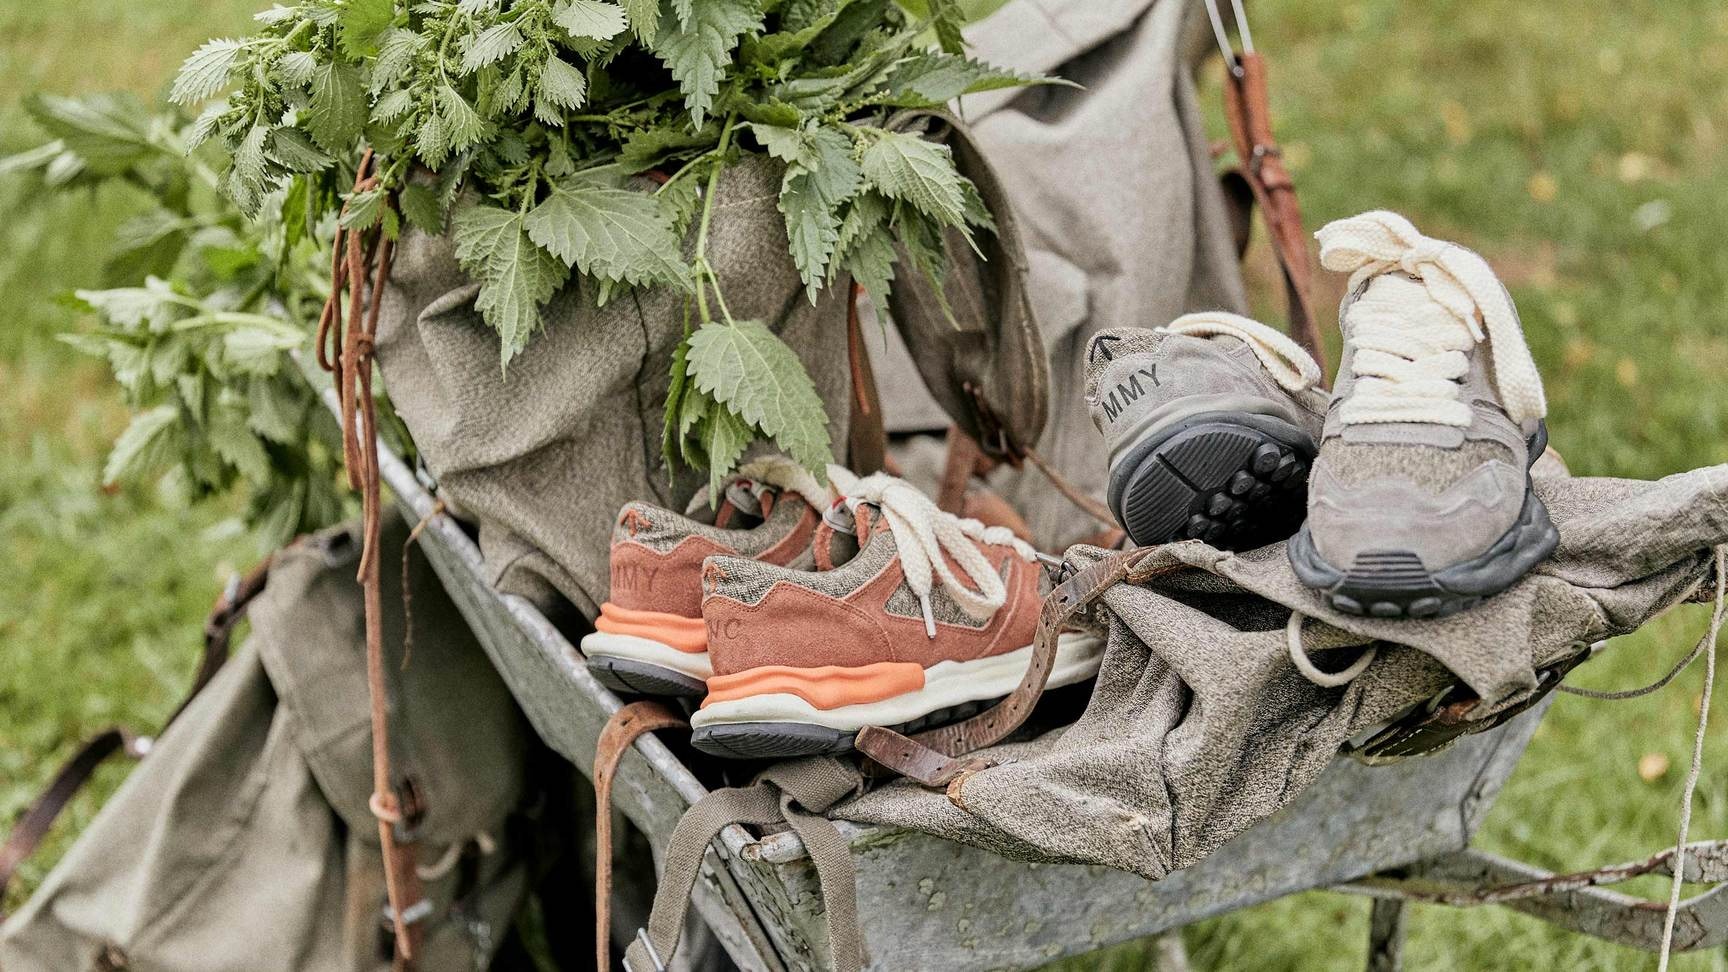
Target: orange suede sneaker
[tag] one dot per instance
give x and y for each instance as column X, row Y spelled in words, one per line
column 932, row 617
column 649, row 638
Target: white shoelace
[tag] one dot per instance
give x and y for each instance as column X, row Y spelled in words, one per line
column 927, row 538
column 1284, row 359
column 771, row 472
column 1410, row 349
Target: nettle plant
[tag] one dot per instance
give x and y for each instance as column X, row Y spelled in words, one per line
column 521, row 128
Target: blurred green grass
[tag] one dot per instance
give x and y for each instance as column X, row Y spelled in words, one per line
column 1578, row 146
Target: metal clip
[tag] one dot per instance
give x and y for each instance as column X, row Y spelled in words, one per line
column 1223, row 36
column 647, row 946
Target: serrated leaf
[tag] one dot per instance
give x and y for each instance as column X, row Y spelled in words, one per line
column 671, row 443
column 562, row 88
column 724, row 437
column 257, row 350
column 933, row 79
column 611, row 234
column 274, row 411
column 432, row 139
column 464, row 125
column 393, row 106
column 338, row 109
column 490, row 46
column 649, row 147
column 870, row 261
column 147, row 245
column 697, row 49
column 812, row 227
column 590, row 18
column 516, row 276
column 396, row 51
column 829, row 154
column 422, row 208
column 234, row 441
column 130, row 308
column 363, row 209
column 296, row 67
column 206, row 71
column 148, row 444
column 786, row 144
column 644, row 16
column 748, row 369
column 291, row 149
column 104, row 133
column 360, row 23
column 906, row 167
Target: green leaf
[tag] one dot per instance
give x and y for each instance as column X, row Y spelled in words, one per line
column 338, row 109
column 748, row 369
column 462, row 122
column 490, row 46
column 934, row 79
column 650, row 147
column 274, row 411
column 671, row 443
column 364, row 209
column 866, row 248
column 35, row 158
column 589, row 18
column 359, row 25
column 148, row 444
column 290, row 148
column 699, row 49
column 786, row 144
column 829, row 155
column 562, row 88
column 147, row 245
column 610, row 234
column 515, row 275
column 206, row 71
column 234, row 441
column 296, row 68
column 724, row 438
column 106, row 133
column 257, row 350
column 906, row 167
column 396, row 51
column 812, row 227
column 644, row 18
column 422, row 208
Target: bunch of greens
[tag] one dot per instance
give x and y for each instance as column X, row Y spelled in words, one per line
column 519, row 126
column 195, row 319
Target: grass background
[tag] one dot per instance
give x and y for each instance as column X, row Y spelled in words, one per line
column 1578, row 146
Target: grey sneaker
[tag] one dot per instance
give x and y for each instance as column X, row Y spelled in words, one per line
column 1420, row 503
column 1211, row 423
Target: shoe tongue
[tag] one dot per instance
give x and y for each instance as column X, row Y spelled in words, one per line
column 1397, row 288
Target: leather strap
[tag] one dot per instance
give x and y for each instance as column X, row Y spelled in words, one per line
column 626, row 726
column 1248, row 111
column 936, row 757
column 963, row 459
column 867, row 440
column 38, row 818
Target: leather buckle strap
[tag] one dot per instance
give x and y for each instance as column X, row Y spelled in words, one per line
column 627, row 725
column 936, row 757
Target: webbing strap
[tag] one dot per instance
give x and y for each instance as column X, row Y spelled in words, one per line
column 794, row 793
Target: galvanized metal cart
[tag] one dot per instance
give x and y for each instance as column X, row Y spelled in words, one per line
column 1396, row 833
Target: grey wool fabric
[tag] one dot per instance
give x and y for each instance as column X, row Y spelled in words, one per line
column 1200, row 724
column 544, row 455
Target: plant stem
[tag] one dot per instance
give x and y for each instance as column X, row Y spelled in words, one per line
column 704, row 272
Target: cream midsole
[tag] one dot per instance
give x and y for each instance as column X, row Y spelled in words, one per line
column 633, row 648
column 946, row 684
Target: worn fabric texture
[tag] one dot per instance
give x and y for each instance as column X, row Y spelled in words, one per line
column 544, row 455
column 243, row 840
column 1200, row 725
column 1117, row 198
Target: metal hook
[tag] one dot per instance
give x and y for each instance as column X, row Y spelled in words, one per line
column 1223, row 36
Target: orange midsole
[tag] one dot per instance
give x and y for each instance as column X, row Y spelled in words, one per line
column 674, row 630
column 828, row 687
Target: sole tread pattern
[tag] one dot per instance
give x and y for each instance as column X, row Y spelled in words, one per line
column 630, row 677
column 1232, row 485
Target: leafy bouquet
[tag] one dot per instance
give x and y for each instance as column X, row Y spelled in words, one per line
column 523, row 126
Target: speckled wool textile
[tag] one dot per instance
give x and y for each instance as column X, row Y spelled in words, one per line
column 1200, row 725
column 544, row 455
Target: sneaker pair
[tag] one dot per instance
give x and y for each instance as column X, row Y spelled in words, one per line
column 802, row 629
column 1407, row 489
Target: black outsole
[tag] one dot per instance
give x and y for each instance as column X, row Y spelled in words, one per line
column 786, row 740
column 643, row 678
column 1236, row 481
column 1395, row 584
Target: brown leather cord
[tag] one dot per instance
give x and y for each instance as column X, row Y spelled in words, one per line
column 626, row 726
column 34, row 824
column 395, row 805
column 794, row 793
column 1248, row 111
column 867, row 441
column 437, row 510
column 936, row 757
column 962, row 463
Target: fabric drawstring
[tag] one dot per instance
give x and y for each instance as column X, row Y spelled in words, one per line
column 794, row 793
column 1409, row 352
column 1305, row 665
column 928, row 539
column 1285, row 360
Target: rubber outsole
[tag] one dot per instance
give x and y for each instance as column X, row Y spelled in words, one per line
column 785, row 740
column 1395, row 584
column 633, row 677
column 1236, row 481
